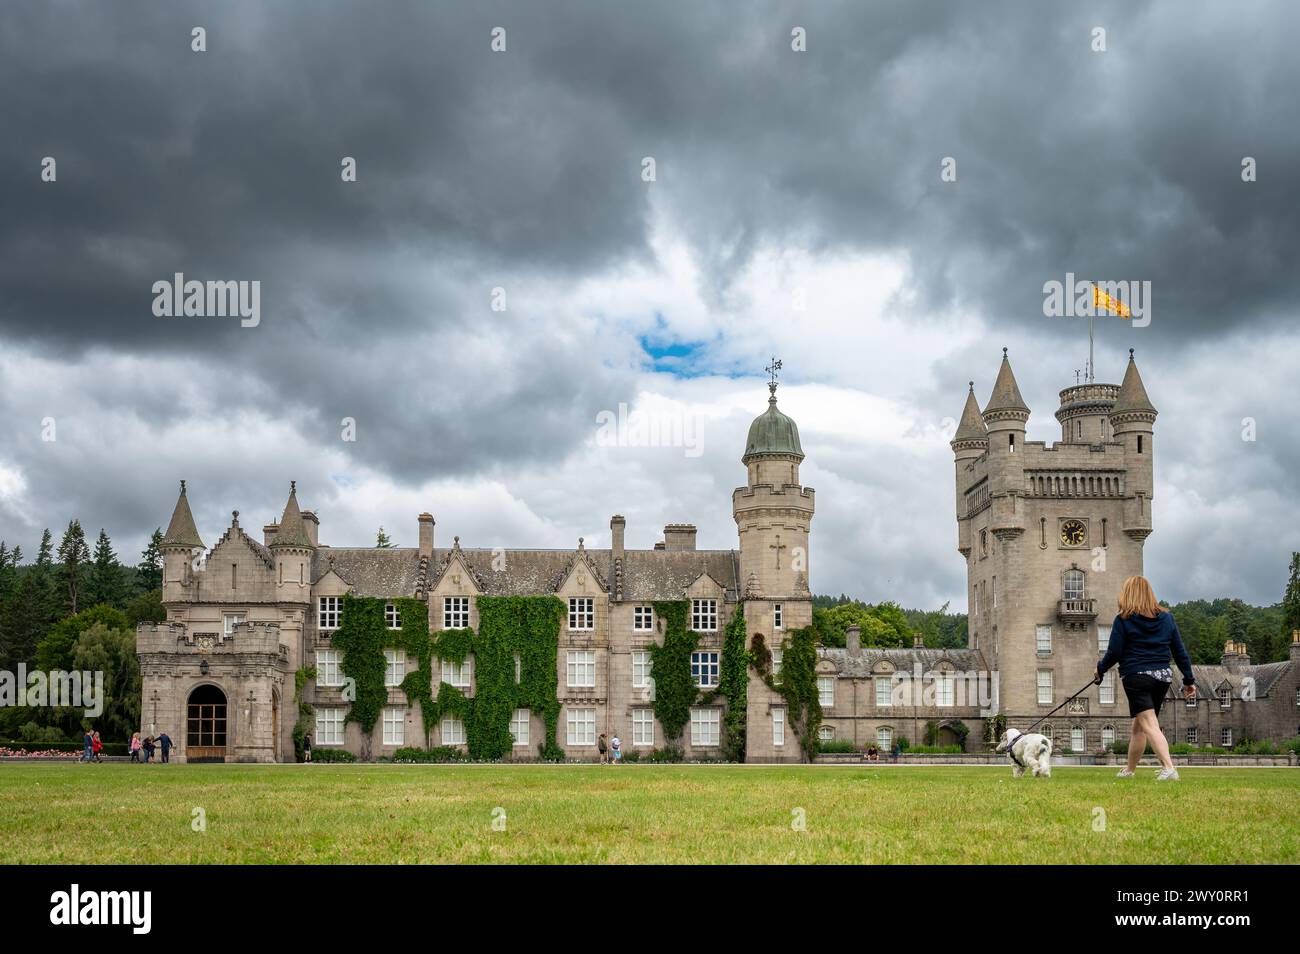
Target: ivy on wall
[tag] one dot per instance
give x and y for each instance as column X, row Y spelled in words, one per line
column 733, row 683
column 798, row 683
column 527, row 626
column 675, row 690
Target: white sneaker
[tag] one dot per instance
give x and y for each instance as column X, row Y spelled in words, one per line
column 1124, row 773
column 1167, row 775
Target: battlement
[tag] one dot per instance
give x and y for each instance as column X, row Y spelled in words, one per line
column 175, row 637
column 768, row 495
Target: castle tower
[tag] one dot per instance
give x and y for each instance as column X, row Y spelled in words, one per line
column 1132, row 420
column 181, row 545
column 1040, row 528
column 292, row 548
column 773, row 513
column 1005, row 417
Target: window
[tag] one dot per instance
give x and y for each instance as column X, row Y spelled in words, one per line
column 392, row 617
column 1107, row 736
column 826, row 691
column 826, row 733
column 582, row 726
column 984, row 544
column 1043, row 637
column 641, row 665
column 1073, row 584
column 778, row 726
column 1011, row 443
column 329, row 727
column 1046, row 730
column 778, row 657
column 582, row 612
column 232, row 620
column 1103, row 639
column 1191, row 703
column 458, row 674
column 519, row 668
column 884, row 691
column 394, row 666
column 643, row 618
column 1076, row 738
column 704, row 616
column 519, row 727
column 885, row 738
column 1225, row 697
column 582, row 668
column 327, row 612
column 455, row 612
column 776, row 616
column 944, row 685
column 394, row 726
column 1297, row 695
column 705, row 725
column 704, row 669
column 1044, row 687
column 643, row 727
column 1225, row 737
column 1106, row 691
column 453, row 730
column 1191, row 736
column 995, row 592
column 327, row 668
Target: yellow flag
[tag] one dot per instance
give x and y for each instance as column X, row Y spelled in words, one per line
column 1113, row 305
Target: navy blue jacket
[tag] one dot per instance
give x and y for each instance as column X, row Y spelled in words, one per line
column 1140, row 643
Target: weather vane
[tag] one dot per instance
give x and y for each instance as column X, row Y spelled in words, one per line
column 772, row 369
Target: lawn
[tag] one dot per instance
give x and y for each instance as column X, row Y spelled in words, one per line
column 121, row 813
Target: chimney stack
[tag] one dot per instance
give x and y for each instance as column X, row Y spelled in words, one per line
column 918, row 641
column 617, row 524
column 1235, row 655
column 1295, row 645
column 426, row 535
column 311, row 523
column 853, row 640
column 268, row 533
column 679, row 536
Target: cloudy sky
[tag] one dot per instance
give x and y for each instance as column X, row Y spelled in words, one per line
column 797, row 209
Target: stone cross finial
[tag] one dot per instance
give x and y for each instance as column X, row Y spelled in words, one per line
column 182, row 488
column 234, row 517
column 293, row 486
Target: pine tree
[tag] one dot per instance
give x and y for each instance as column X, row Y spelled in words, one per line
column 33, row 608
column 74, row 565
column 1236, row 620
column 382, row 542
column 106, row 583
column 149, row 574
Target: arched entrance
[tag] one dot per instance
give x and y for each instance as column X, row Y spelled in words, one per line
column 205, row 725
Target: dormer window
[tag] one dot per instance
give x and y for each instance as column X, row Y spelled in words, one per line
column 1225, row 697
column 392, row 618
column 327, row 612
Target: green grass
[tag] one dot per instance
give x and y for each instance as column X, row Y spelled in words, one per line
column 120, row 813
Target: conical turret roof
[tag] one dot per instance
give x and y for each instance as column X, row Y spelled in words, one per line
column 181, row 532
column 972, row 427
column 292, row 532
column 1006, row 393
column 1132, row 393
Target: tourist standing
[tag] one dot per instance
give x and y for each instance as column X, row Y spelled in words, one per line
column 87, row 744
column 603, row 748
column 148, row 749
column 306, row 748
column 165, row 743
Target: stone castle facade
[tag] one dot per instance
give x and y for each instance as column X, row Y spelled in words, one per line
column 1049, row 534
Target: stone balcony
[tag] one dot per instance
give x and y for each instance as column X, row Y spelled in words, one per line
column 1076, row 613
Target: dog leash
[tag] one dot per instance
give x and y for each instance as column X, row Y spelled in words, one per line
column 1091, row 682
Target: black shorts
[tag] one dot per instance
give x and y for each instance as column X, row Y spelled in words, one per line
column 1144, row 692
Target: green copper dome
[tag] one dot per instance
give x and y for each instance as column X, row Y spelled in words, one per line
column 773, row 433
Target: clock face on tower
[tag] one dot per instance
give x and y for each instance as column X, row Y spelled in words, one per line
column 1074, row 533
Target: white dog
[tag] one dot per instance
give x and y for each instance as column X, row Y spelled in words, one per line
column 1033, row 752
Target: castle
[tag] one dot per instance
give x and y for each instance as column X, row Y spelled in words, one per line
column 1055, row 529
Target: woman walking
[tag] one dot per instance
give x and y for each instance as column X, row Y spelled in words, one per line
column 1142, row 638
column 135, row 746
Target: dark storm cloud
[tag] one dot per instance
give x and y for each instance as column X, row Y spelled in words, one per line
column 522, row 169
